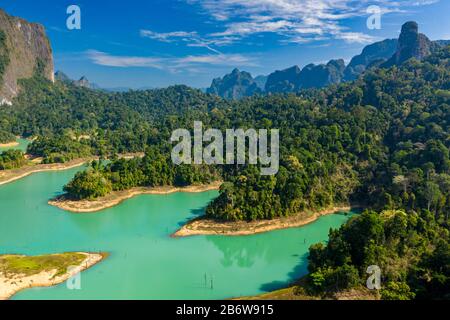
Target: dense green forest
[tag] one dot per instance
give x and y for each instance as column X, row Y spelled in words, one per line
column 12, row 159
column 60, row 149
column 412, row 250
column 153, row 170
column 381, row 141
column 6, row 137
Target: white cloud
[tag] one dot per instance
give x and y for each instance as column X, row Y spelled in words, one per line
column 355, row 37
column 192, row 39
column 169, row 36
column 296, row 20
column 235, row 60
column 172, row 64
column 104, row 59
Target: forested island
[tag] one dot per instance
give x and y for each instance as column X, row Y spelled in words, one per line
column 381, row 142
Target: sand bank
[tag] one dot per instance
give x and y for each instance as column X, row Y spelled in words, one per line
column 11, row 284
column 7, row 176
column 9, row 144
column 116, row 197
column 205, row 226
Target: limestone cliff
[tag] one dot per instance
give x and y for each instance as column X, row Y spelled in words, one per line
column 411, row 44
column 24, row 50
column 235, row 85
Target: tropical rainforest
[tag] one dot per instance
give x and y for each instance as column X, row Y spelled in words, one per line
column 381, row 142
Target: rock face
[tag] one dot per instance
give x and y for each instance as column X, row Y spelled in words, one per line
column 386, row 53
column 311, row 76
column 24, row 51
column 319, row 76
column 334, row 72
column 283, row 81
column 411, row 44
column 372, row 54
column 61, row 76
column 235, row 85
column 83, row 82
column 261, row 82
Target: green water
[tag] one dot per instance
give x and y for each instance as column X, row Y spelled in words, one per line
column 145, row 263
column 23, row 144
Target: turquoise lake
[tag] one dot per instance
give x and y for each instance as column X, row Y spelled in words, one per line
column 23, row 144
column 145, row 262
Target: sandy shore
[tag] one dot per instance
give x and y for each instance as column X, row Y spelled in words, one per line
column 116, row 197
column 9, row 286
column 205, row 226
column 7, row 176
column 9, row 144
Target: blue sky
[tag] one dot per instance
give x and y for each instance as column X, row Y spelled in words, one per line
column 156, row 43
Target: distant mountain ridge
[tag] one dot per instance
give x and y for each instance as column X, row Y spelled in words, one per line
column 386, row 53
column 85, row 83
column 311, row 76
column 236, row 85
column 283, row 81
column 261, row 82
column 378, row 51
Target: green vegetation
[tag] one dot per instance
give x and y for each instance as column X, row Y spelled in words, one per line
column 153, row 170
column 23, row 265
column 381, row 141
column 12, row 159
column 412, row 251
column 88, row 185
column 59, row 149
column 6, row 137
column 4, row 54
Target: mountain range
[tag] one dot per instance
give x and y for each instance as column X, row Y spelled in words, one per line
column 82, row 82
column 386, row 53
column 25, row 50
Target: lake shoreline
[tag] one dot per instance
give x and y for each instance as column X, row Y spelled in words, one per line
column 205, row 226
column 116, row 197
column 10, row 286
column 9, row 144
column 8, row 176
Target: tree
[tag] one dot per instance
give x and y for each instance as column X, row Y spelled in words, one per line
column 88, row 185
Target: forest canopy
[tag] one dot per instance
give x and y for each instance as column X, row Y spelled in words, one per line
column 381, row 141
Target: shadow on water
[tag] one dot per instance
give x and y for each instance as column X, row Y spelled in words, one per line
column 296, row 273
column 242, row 251
column 195, row 213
